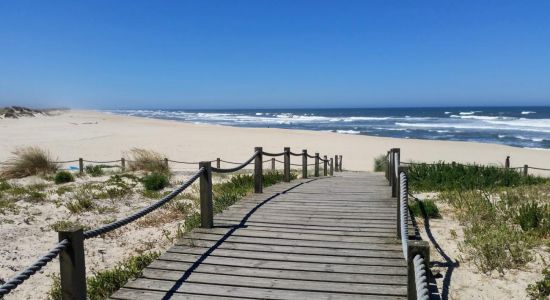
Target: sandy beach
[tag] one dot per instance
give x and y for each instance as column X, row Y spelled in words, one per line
column 100, row 136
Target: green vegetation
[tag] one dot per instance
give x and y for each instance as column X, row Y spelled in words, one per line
column 66, row 225
column 94, row 170
column 448, row 177
column 104, row 283
column 28, row 161
column 63, row 177
column 380, row 163
column 82, row 202
column 147, row 160
column 429, row 207
column 155, row 181
column 501, row 226
column 62, row 190
column 540, row 289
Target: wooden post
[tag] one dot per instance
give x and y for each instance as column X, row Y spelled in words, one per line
column 273, row 164
column 218, row 163
column 340, row 164
column 331, row 167
column 304, row 163
column 258, row 171
column 453, row 164
column 507, row 163
column 123, row 164
column 207, row 209
column 325, row 164
column 396, row 160
column 72, row 265
column 286, row 156
column 387, row 165
column 525, row 170
column 399, row 170
column 316, row 164
column 391, row 168
column 166, row 162
column 416, row 247
column 81, row 165
column 336, row 162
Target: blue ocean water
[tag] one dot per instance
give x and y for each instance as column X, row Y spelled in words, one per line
column 515, row 126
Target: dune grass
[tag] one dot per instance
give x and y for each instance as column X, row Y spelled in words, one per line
column 446, row 177
column 104, row 283
column 28, row 161
column 380, row 163
column 147, row 160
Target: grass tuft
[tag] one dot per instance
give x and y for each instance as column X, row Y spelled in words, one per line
column 104, row 283
column 540, row 289
column 155, row 181
column 147, row 160
column 428, row 206
column 28, row 161
column 380, row 163
column 63, row 177
column 94, row 170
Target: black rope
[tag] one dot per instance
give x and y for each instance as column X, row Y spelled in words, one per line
column 536, row 168
column 64, row 162
column 295, row 154
column 18, row 279
column 116, row 224
column 272, row 154
column 237, row 168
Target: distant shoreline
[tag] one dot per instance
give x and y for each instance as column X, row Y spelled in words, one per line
column 100, row 136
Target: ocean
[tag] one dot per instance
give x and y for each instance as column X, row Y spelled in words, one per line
column 527, row 127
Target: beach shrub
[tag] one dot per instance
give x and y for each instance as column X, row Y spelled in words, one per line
column 80, row 204
column 540, row 289
column 147, row 160
column 501, row 226
column 532, row 216
column 380, row 163
column 28, row 161
column 63, row 177
column 66, row 225
column 155, row 181
column 423, row 208
column 104, row 283
column 94, row 170
column 442, row 176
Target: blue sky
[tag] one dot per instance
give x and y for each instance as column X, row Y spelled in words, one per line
column 274, row 54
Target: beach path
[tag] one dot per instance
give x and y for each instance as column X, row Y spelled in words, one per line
column 315, row 238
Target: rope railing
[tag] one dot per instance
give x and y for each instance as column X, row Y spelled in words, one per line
column 119, row 223
column 237, row 168
column 273, row 154
column 415, row 252
column 18, row 279
column 72, row 262
column 472, row 165
column 421, row 278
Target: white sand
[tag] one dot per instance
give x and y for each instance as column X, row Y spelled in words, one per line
column 100, row 136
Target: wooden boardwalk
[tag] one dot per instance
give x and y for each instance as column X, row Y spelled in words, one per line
column 322, row 238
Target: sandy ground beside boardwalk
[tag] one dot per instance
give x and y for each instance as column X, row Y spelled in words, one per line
column 101, row 136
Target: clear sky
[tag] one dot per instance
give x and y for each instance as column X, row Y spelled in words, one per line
column 268, row 54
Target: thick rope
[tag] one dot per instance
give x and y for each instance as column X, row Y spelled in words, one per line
column 237, row 168
column 117, row 224
column 536, row 168
column 187, row 162
column 101, row 162
column 272, row 154
column 64, row 162
column 420, row 278
column 403, row 208
column 295, row 154
column 18, row 279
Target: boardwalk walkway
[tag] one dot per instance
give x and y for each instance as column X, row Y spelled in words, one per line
column 325, row 238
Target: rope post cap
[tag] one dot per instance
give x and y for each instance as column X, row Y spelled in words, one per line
column 404, row 169
column 304, row 151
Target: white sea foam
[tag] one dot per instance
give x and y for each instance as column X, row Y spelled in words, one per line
column 527, row 112
column 348, row 131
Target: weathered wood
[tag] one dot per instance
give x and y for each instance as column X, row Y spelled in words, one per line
column 81, row 165
column 325, row 166
column 321, row 238
column 316, row 164
column 218, row 163
column 340, row 164
column 258, row 171
column 273, row 164
column 123, row 164
column 286, row 173
column 331, row 167
column 304, row 163
column 415, row 248
column 336, row 162
column 205, row 185
column 72, row 265
column 525, row 170
column 507, row 162
column 166, row 162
